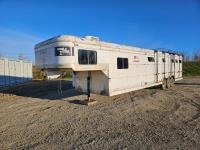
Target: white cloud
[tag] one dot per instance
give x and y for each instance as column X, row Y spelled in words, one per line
column 12, row 43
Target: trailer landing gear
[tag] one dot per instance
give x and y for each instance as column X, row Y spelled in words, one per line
column 89, row 101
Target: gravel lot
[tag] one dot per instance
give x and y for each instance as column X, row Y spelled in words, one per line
column 37, row 116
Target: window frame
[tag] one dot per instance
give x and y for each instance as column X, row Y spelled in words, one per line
column 88, row 57
column 163, row 60
column 124, row 63
column 150, row 59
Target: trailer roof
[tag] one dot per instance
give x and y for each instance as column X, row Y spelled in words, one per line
column 91, row 40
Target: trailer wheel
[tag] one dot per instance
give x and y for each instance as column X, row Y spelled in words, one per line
column 172, row 81
column 163, row 86
column 168, row 83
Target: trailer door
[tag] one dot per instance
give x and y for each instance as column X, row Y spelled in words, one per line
column 156, row 65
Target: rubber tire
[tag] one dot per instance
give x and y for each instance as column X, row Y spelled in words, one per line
column 168, row 83
column 172, row 81
column 164, row 86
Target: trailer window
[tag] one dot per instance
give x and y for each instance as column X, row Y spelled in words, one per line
column 151, row 59
column 180, row 61
column 82, row 57
column 176, row 61
column 163, row 60
column 172, row 60
column 87, row 57
column 122, row 63
column 92, row 57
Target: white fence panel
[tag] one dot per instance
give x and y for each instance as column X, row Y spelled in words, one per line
column 14, row 72
column 2, row 72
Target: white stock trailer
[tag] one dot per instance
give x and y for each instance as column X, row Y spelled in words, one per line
column 14, row 72
column 107, row 68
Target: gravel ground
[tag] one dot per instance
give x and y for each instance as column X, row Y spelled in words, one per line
column 37, row 116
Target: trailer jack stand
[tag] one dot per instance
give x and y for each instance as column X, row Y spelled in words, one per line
column 89, row 101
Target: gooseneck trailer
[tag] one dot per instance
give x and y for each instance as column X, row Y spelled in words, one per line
column 107, row 68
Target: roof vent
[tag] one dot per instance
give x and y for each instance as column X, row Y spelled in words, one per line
column 92, row 38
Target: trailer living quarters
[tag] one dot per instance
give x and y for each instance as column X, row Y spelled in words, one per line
column 112, row 68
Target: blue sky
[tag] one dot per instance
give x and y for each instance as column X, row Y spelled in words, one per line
column 171, row 24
